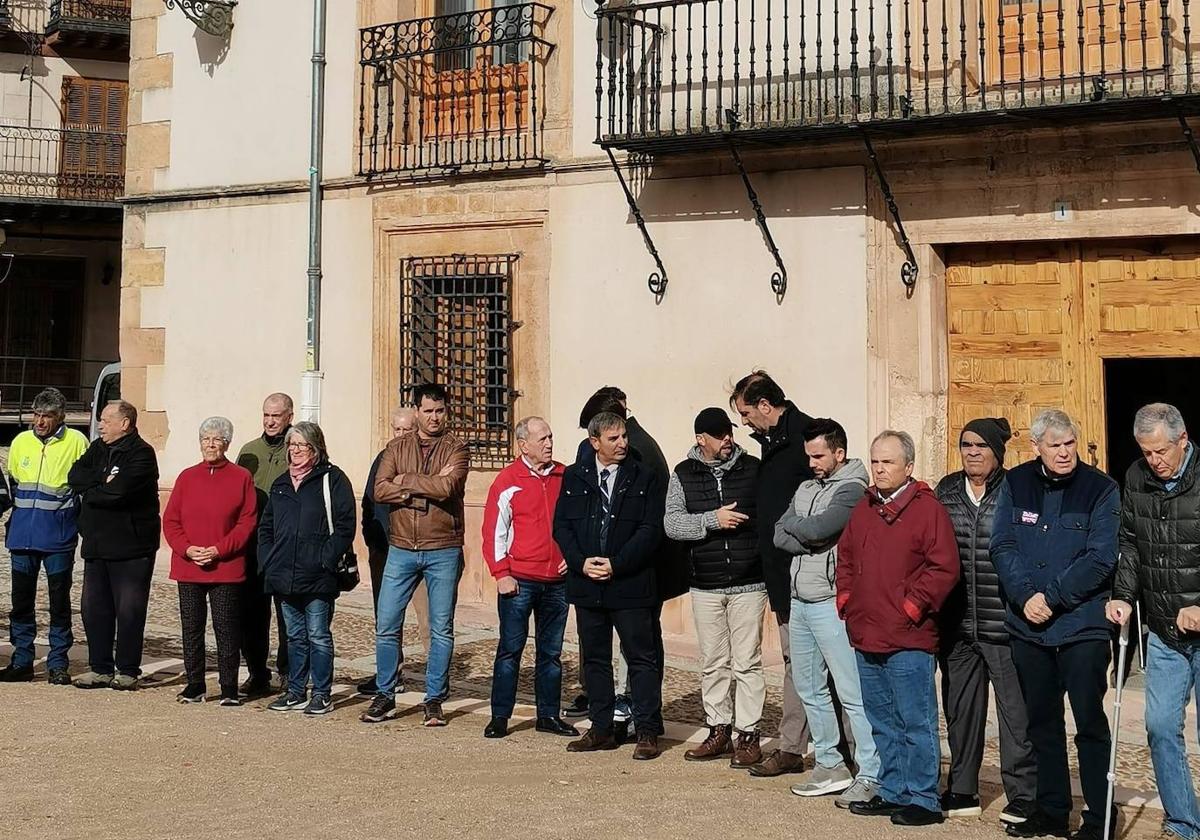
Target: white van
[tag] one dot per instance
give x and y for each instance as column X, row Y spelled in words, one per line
column 108, row 388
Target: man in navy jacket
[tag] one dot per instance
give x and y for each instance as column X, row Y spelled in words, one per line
column 1054, row 545
column 607, row 524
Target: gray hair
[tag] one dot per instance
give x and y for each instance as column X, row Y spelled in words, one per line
column 1051, row 418
column 602, row 422
column 311, row 434
column 282, row 399
column 219, row 426
column 50, row 401
column 522, row 430
column 1150, row 417
column 126, row 411
column 906, row 443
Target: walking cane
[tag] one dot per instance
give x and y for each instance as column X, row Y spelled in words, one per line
column 1122, row 651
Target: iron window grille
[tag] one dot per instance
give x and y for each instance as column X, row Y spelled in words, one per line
column 456, row 330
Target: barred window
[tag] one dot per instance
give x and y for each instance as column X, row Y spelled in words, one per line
column 456, row 330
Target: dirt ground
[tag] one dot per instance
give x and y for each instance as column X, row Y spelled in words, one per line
column 103, row 764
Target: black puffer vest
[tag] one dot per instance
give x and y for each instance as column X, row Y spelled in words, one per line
column 724, row 559
column 976, row 608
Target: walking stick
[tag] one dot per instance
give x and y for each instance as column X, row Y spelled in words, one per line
column 1122, row 651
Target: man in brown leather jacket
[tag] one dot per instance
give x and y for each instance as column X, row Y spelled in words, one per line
column 422, row 478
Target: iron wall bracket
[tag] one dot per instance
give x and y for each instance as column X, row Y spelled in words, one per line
column 1190, row 138
column 212, row 16
column 657, row 281
column 908, row 271
column 779, row 278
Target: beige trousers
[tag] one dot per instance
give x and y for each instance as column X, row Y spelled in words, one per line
column 729, row 631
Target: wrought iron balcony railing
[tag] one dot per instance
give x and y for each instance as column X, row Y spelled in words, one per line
column 693, row 72
column 89, row 24
column 454, row 92
column 74, row 165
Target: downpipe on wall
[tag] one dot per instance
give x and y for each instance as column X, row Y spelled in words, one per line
column 311, row 379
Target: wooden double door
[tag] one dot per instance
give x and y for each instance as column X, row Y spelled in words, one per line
column 1031, row 324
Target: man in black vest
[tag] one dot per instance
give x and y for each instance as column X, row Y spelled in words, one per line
column 975, row 644
column 711, row 501
column 779, row 427
column 607, row 524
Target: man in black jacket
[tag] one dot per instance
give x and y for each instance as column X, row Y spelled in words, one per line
column 117, row 482
column 779, row 428
column 975, row 644
column 607, row 524
column 1160, row 529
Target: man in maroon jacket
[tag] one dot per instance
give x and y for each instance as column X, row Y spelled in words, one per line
column 897, row 563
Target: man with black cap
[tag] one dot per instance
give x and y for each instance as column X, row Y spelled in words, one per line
column 975, row 643
column 711, row 501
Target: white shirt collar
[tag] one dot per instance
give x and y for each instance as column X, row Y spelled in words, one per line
column 612, row 472
column 896, row 493
column 971, row 492
column 544, row 471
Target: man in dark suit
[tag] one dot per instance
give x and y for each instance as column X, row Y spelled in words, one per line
column 608, row 524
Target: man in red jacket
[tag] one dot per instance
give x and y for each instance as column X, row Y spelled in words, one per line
column 519, row 547
column 897, row 564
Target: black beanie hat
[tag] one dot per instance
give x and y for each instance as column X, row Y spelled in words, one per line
column 995, row 431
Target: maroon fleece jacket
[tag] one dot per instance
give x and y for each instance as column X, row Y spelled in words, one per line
column 897, row 564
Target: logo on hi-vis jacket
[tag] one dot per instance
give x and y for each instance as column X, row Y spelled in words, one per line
column 26, row 462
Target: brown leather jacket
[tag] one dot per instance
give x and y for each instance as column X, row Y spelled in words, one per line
column 426, row 505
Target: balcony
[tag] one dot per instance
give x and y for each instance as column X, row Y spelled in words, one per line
column 454, row 93
column 683, row 74
column 61, row 174
column 95, row 28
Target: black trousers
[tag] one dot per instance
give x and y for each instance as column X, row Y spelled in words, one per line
column 967, row 668
column 115, row 596
column 1080, row 671
column 256, row 612
column 23, row 617
column 194, row 600
column 635, row 629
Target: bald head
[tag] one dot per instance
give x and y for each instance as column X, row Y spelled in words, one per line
column 404, row 420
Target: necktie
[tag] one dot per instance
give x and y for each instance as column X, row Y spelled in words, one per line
column 605, row 507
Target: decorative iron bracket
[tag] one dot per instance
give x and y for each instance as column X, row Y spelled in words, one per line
column 908, row 271
column 1190, row 138
column 778, row 278
column 213, row 16
column 657, row 282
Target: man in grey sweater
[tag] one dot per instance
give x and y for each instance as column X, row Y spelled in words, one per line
column 809, row 530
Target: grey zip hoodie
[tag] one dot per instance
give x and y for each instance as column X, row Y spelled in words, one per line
column 809, row 529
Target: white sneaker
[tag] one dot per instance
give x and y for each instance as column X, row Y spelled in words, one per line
column 863, row 790
column 823, row 781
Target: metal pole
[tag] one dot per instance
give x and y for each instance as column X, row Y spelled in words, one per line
column 310, row 392
column 1122, row 652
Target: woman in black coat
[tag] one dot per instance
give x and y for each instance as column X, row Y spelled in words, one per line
column 307, row 526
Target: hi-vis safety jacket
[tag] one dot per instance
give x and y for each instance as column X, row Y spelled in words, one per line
column 45, row 508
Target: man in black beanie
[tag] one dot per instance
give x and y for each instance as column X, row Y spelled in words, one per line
column 975, row 643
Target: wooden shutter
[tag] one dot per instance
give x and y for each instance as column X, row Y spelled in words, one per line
column 92, row 160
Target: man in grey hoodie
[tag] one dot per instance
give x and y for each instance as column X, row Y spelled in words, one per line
column 809, row 529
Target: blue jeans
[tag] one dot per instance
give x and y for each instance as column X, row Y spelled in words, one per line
column 441, row 570
column 310, row 643
column 820, row 647
column 899, row 698
column 547, row 602
column 1170, row 677
column 22, row 619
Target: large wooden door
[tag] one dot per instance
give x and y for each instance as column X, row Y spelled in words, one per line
column 1031, row 324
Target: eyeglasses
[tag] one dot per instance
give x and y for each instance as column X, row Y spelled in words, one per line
column 213, row 441
column 299, row 446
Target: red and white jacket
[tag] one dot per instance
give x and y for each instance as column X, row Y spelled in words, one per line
column 518, row 523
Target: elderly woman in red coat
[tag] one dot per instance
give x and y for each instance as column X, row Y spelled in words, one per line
column 208, row 523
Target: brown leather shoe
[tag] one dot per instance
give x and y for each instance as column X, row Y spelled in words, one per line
column 593, row 741
column 776, row 763
column 748, row 752
column 647, row 748
column 717, row 744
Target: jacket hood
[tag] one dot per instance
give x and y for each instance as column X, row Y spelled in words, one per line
column 852, row 470
column 695, row 454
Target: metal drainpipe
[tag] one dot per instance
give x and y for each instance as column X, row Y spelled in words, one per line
column 310, row 389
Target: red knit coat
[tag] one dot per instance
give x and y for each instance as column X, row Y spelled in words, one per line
column 211, row 505
column 897, row 563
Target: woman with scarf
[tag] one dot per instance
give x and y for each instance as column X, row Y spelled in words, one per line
column 307, row 527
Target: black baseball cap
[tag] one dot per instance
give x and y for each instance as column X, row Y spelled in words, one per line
column 713, row 421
